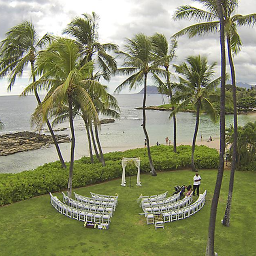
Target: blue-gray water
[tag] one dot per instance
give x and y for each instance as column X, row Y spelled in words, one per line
column 125, row 133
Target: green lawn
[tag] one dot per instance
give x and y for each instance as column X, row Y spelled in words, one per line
column 34, row 227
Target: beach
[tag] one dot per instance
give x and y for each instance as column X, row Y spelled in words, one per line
column 125, row 133
column 215, row 143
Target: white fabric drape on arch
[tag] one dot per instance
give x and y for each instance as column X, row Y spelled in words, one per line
column 137, row 164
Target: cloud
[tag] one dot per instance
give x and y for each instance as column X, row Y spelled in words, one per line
column 120, row 19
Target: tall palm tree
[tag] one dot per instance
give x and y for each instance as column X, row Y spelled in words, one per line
column 62, row 72
column 234, row 43
column 164, row 55
column 105, row 104
column 139, row 63
column 19, row 49
column 215, row 199
column 195, row 88
column 85, row 32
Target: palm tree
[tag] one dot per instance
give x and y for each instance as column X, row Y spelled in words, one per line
column 62, row 72
column 211, row 24
column 139, row 63
column 195, row 88
column 164, row 55
column 18, row 49
column 84, row 30
column 105, row 104
column 215, row 199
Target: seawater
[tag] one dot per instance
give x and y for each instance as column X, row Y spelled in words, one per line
column 125, row 133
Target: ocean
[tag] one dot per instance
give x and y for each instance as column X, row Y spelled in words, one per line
column 124, row 133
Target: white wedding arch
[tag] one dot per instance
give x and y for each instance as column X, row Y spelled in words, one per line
column 137, row 164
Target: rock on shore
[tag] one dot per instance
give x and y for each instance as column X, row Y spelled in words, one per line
column 23, row 141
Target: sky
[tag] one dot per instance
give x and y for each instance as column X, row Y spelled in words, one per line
column 121, row 19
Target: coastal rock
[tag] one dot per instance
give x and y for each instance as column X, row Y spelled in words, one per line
column 155, row 108
column 107, row 121
column 23, row 141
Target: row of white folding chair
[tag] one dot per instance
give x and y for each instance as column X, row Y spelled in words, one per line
column 185, row 212
column 94, row 201
column 78, row 214
column 106, row 197
column 181, row 213
column 87, row 207
column 160, row 208
column 152, row 198
column 167, row 200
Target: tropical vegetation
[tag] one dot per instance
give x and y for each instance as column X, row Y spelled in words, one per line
column 138, row 64
column 231, row 22
column 61, row 71
column 52, row 178
column 85, row 31
column 71, row 70
column 164, row 55
column 19, row 49
column 195, row 87
column 246, row 146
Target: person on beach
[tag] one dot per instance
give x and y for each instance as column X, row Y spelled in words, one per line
column 210, row 139
column 145, row 142
column 196, row 184
column 167, row 140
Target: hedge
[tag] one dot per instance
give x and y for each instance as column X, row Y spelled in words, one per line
column 52, row 178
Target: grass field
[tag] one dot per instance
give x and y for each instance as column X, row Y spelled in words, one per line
column 34, row 227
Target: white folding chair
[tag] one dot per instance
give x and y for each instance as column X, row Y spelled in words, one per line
column 166, row 217
column 89, row 217
column 150, row 218
column 97, row 218
column 82, row 216
column 105, row 218
column 159, row 224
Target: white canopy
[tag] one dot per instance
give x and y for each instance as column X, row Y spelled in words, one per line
column 137, row 164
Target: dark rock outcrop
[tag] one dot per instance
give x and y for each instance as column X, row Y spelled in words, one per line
column 107, row 121
column 23, row 141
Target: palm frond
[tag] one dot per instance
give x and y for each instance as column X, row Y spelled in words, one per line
column 210, row 110
column 189, row 12
column 131, row 81
column 245, row 20
column 86, row 104
column 198, row 29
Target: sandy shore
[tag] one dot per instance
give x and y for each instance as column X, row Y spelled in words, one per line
column 215, row 143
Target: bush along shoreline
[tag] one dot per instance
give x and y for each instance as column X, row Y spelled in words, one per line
column 52, row 178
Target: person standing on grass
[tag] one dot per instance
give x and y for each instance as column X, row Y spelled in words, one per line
column 196, row 184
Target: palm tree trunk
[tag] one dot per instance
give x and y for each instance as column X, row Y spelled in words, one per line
column 99, row 145
column 174, row 116
column 213, row 213
column 226, row 218
column 194, row 138
column 152, row 168
column 174, row 132
column 94, row 143
column 48, row 123
column 89, row 140
column 72, row 150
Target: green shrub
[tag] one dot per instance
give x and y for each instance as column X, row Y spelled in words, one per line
column 51, row 177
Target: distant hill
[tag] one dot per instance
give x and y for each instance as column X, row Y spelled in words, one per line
column 241, row 84
column 150, row 90
column 153, row 89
